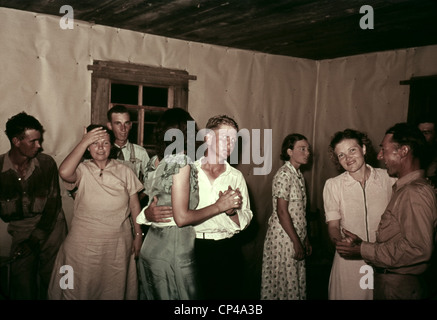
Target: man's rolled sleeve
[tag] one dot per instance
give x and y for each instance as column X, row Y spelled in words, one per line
column 368, row 252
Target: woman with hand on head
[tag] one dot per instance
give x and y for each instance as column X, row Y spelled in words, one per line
column 353, row 200
column 286, row 244
column 100, row 247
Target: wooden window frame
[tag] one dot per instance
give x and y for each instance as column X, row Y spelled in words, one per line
column 104, row 73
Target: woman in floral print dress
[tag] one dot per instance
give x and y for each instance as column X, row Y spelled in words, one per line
column 286, row 244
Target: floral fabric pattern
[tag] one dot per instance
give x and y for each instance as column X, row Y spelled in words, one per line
column 283, row 277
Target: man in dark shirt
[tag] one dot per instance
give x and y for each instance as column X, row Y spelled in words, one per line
column 30, row 202
column 428, row 128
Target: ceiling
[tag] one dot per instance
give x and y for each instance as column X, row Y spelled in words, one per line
column 309, row 29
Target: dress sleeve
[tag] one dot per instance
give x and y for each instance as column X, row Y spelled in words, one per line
column 133, row 184
column 172, row 166
column 282, row 185
column 331, row 201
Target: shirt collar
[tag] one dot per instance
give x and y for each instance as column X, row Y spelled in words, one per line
column 125, row 146
column 227, row 165
column 8, row 165
column 409, row 177
column 373, row 177
column 293, row 169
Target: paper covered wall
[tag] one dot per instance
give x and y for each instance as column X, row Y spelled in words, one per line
column 44, row 72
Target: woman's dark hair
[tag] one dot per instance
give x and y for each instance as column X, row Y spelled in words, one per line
column 288, row 143
column 113, row 152
column 362, row 140
column 174, row 118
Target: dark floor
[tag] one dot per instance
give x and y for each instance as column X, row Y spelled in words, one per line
column 317, row 280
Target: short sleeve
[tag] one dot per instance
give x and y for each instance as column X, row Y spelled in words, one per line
column 133, row 184
column 282, row 185
column 172, row 165
column 331, row 201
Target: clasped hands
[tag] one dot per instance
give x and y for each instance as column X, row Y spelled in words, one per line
column 350, row 246
column 228, row 200
column 231, row 199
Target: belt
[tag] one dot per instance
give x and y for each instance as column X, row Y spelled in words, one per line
column 210, row 236
column 387, row 271
column 383, row 271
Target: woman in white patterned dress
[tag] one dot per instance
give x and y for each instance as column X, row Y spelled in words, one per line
column 286, row 244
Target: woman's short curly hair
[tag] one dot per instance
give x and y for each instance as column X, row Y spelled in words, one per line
column 360, row 137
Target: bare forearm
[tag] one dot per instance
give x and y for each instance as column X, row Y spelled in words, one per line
column 287, row 224
column 193, row 217
column 67, row 169
column 180, row 199
column 135, row 209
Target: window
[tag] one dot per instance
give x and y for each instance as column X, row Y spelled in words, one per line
column 146, row 91
column 423, row 98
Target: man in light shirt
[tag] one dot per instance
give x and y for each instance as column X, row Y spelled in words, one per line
column 218, row 249
column 131, row 154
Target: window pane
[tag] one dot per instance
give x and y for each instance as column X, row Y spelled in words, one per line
column 133, row 133
column 155, row 97
column 149, row 139
column 150, row 119
column 124, row 93
column 153, row 115
column 423, row 100
column 133, row 114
